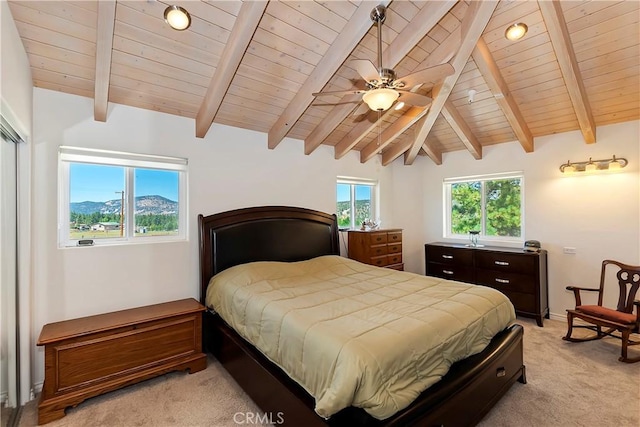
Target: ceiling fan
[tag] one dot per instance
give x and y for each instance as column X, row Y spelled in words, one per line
column 383, row 88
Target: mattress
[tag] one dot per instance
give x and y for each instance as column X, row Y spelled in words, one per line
column 352, row 334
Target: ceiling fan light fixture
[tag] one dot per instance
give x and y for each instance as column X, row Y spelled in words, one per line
column 380, row 99
column 516, row 31
column 177, row 17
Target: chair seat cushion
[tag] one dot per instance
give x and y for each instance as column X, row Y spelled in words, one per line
column 608, row 314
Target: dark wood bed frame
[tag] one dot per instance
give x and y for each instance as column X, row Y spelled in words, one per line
column 279, row 233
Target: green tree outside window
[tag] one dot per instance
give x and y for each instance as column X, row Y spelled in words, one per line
column 492, row 207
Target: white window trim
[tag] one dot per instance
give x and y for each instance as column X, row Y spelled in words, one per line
column 375, row 195
column 446, row 203
column 68, row 155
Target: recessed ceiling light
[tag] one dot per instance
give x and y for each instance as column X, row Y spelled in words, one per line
column 177, row 17
column 516, row 31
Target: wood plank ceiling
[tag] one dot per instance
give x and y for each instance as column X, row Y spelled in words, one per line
column 255, row 64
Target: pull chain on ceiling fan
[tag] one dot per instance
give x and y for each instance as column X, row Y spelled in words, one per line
column 383, row 88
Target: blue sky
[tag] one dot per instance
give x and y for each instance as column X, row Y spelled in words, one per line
column 99, row 183
column 363, row 192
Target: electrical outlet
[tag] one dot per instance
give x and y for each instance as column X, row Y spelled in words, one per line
column 568, row 250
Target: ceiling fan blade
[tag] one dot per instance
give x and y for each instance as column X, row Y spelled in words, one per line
column 362, row 108
column 432, row 74
column 340, row 92
column 414, row 99
column 366, row 69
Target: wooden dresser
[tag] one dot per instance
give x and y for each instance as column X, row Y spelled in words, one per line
column 382, row 248
column 520, row 275
column 89, row 356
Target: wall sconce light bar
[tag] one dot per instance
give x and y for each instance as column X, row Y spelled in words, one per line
column 594, row 165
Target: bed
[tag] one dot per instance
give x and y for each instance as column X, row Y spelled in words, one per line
column 291, row 234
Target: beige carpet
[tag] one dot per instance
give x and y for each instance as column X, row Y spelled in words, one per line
column 568, row 385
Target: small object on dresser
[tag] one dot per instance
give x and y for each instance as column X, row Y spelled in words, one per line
column 369, row 225
column 532, row 246
column 473, row 236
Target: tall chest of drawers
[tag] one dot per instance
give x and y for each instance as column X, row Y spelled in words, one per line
column 520, row 275
column 382, row 248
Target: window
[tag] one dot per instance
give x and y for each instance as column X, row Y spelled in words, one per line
column 490, row 204
column 356, row 201
column 110, row 197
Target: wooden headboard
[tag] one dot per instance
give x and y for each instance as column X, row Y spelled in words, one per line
column 266, row 233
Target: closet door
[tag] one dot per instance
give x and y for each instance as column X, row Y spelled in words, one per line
column 8, row 268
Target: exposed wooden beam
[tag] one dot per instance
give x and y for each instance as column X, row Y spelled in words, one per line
column 104, row 44
column 443, row 53
column 559, row 34
column 411, row 116
column 492, row 75
column 434, row 155
column 460, row 127
column 415, row 31
column 400, row 147
column 357, row 133
column 474, row 23
column 244, row 27
column 475, row 20
column 343, row 45
column 396, row 150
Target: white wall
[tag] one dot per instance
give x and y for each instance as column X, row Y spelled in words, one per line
column 597, row 214
column 230, row 168
column 16, row 105
column 15, row 72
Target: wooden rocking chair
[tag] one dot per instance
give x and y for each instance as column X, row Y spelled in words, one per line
column 621, row 319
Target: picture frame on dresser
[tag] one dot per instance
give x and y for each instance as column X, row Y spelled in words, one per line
column 521, row 275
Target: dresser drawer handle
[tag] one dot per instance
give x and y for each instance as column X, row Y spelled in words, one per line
column 502, row 280
column 501, row 263
column 447, row 256
column 449, row 272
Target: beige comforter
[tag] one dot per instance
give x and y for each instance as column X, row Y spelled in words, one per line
column 356, row 335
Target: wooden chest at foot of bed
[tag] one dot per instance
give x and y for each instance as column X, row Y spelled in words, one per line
column 89, row 356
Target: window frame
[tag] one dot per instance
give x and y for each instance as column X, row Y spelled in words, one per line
column 447, row 182
column 130, row 162
column 375, row 197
